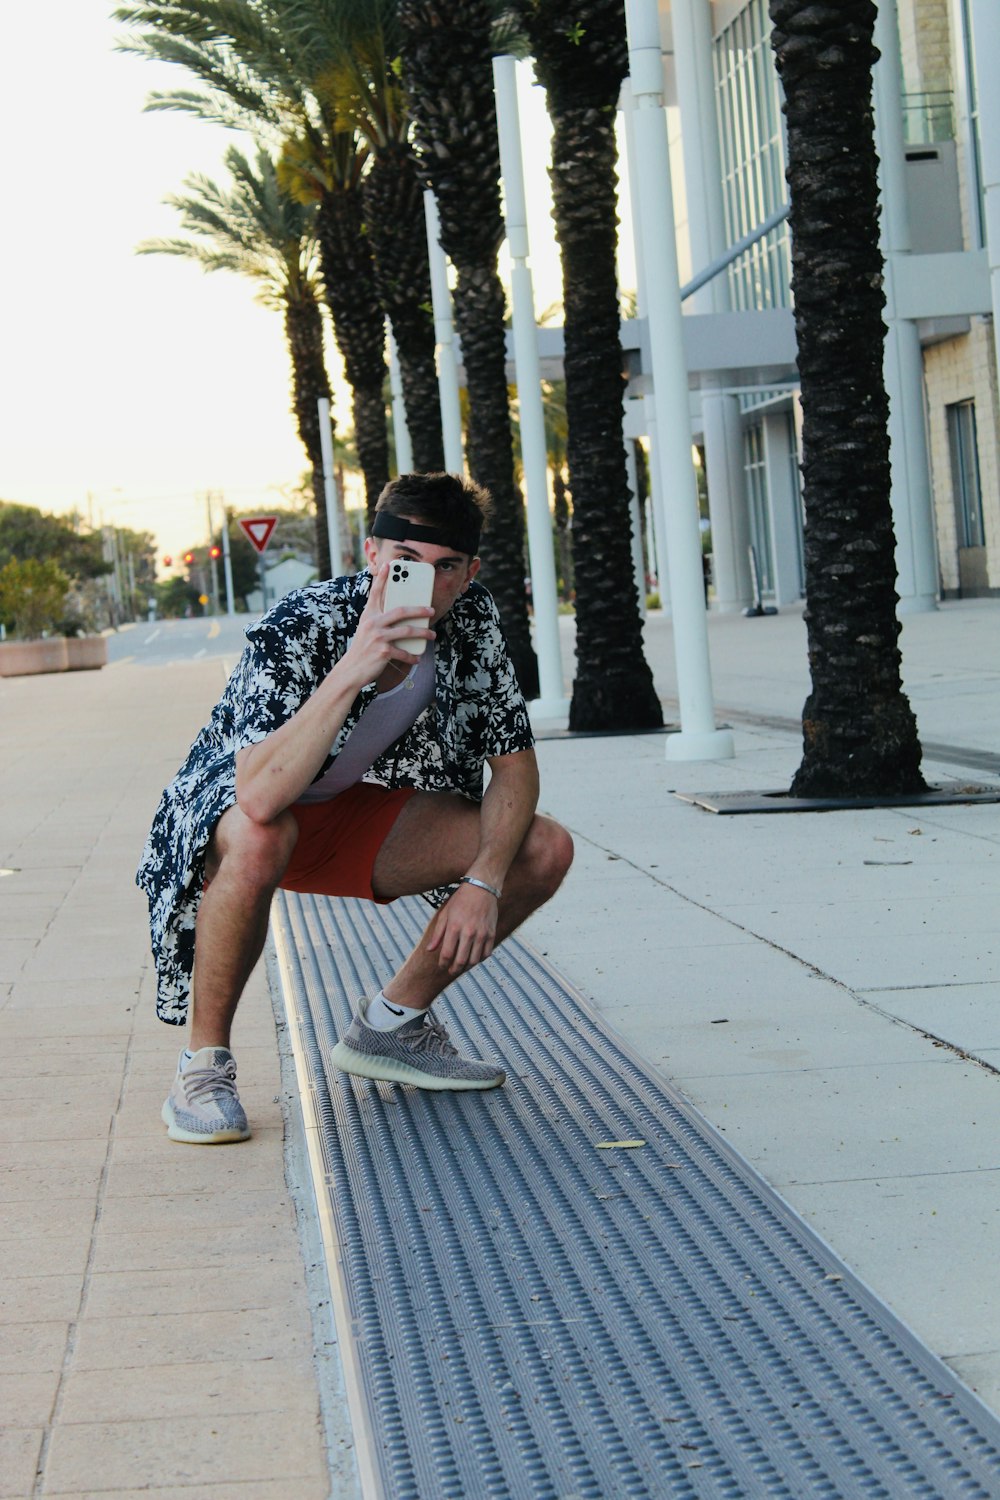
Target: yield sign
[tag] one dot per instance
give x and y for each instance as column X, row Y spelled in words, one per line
column 258, row 530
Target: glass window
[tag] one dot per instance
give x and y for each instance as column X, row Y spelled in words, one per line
column 965, row 474
column 748, row 104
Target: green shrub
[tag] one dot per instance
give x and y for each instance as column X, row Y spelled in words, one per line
column 32, row 596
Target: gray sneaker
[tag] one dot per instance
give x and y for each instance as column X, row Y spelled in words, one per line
column 203, row 1107
column 418, row 1052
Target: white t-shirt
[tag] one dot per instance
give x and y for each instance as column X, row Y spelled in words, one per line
column 383, row 722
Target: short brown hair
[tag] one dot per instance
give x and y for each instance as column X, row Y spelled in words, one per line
column 448, row 501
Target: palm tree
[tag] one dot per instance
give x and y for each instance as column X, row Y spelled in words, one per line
column 324, row 165
column 348, row 52
column 253, row 81
column 448, row 72
column 259, row 231
column 289, row 67
column 859, row 731
column 581, row 57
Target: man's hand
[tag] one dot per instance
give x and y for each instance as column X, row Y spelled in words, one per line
column 464, row 931
column 376, row 641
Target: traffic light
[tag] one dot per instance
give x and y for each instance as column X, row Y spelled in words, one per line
column 215, row 551
column 189, row 558
column 168, row 562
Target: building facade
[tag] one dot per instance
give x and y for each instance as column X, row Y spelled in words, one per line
column 937, row 140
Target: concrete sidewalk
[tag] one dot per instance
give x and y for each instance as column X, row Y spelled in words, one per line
column 156, row 1334
column 823, row 986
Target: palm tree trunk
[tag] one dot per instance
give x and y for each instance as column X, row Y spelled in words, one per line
column 359, row 327
column 394, row 213
column 479, row 319
column 581, row 54
column 859, row 731
column 304, row 335
column 447, row 59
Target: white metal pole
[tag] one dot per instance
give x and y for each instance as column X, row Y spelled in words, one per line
column 551, row 703
column 903, row 365
column 698, row 738
column 330, row 487
column 401, row 432
column 214, row 571
column 444, row 333
column 227, row 564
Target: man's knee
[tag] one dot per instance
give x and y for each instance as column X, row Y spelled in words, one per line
column 547, row 853
column 258, row 853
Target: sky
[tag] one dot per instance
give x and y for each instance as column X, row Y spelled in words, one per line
column 130, row 386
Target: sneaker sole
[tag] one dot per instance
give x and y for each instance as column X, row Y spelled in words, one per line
column 193, row 1138
column 388, row 1070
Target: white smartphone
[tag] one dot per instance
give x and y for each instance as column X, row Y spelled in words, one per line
column 410, row 583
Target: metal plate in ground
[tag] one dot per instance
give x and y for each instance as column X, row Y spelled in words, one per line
column 532, row 1311
column 782, row 802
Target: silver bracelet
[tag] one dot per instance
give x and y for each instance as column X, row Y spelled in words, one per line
column 471, row 880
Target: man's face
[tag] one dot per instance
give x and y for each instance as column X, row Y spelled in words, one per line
column 453, row 571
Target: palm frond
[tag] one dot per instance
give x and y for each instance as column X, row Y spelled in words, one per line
column 350, row 48
column 253, row 227
column 216, row 108
column 228, row 44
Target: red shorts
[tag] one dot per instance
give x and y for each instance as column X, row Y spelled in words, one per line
column 339, row 841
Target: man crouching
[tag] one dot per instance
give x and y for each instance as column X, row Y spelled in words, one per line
column 338, row 763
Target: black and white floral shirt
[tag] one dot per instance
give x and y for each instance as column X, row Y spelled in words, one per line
column 478, row 713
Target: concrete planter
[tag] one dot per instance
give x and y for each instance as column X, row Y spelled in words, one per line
column 79, row 653
column 85, row 652
column 23, row 658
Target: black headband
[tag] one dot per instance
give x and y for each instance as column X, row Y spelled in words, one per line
column 464, row 538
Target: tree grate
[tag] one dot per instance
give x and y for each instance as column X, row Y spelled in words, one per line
column 528, row 1312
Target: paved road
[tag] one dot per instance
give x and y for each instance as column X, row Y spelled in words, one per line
column 159, row 643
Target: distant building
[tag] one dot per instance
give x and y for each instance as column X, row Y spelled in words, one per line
column 290, row 573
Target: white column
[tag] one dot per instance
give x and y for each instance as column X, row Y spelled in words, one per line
column 657, row 493
column 986, row 47
column 330, row 487
column 698, row 738
column 728, row 508
column 912, row 497
column 444, row 334
column 552, row 703
column 400, row 431
column 782, row 501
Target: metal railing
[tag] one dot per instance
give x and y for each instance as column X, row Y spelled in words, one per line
column 928, row 116
column 734, row 252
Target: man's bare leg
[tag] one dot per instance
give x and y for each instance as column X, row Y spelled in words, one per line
column 433, row 842
column 245, row 863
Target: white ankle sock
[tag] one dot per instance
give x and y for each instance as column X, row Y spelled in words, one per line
column 386, row 1015
column 187, row 1056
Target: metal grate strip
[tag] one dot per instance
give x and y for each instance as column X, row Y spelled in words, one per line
column 531, row 1316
